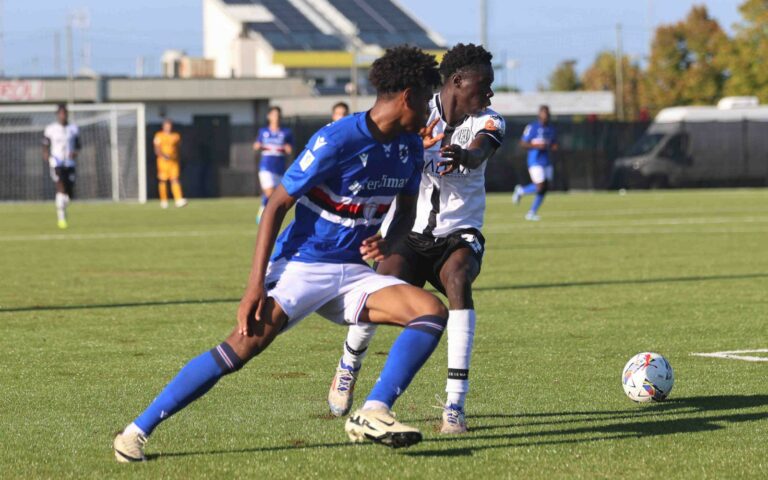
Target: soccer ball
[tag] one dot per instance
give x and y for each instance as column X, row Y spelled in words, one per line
column 647, row 377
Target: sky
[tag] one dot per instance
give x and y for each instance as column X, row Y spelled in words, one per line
column 532, row 36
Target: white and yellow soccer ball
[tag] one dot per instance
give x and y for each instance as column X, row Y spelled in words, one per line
column 647, row 377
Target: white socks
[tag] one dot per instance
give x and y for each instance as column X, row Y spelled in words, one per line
column 461, row 334
column 133, row 428
column 62, row 200
column 356, row 345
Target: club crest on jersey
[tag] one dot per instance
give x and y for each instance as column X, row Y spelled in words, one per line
column 387, row 149
column 319, row 143
column 403, row 151
column 363, row 159
column 462, row 136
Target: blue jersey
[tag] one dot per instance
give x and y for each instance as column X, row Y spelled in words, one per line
column 273, row 149
column 536, row 133
column 345, row 181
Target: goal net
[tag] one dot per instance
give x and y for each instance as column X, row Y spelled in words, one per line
column 111, row 164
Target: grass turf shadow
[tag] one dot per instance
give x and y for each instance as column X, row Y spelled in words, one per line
column 612, row 431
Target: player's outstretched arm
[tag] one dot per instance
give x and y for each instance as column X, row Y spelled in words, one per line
column 481, row 149
column 254, row 297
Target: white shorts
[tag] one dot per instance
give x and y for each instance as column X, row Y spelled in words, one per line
column 539, row 174
column 337, row 292
column 269, row 179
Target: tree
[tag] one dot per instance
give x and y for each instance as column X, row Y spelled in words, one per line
column 564, row 78
column 688, row 62
column 601, row 75
column 748, row 58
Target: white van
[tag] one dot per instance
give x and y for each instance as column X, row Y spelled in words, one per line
column 700, row 146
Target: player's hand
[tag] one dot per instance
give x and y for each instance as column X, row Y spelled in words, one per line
column 374, row 248
column 249, row 311
column 426, row 135
column 454, row 155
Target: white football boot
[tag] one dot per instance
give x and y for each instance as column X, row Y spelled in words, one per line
column 454, row 420
column 340, row 395
column 380, row 426
column 517, row 195
column 532, row 217
column 129, row 447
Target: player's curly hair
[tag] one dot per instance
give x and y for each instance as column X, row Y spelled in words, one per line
column 402, row 67
column 462, row 57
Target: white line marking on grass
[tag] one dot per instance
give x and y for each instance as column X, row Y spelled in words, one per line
column 735, row 355
column 119, row 235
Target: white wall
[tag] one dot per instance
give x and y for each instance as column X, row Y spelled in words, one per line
column 219, row 31
column 240, row 113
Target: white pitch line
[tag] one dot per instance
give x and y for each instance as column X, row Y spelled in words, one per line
column 735, row 355
column 104, row 236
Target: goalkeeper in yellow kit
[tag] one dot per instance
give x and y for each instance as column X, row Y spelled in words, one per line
column 167, row 143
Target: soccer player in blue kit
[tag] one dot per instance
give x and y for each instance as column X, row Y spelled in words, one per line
column 275, row 143
column 342, row 186
column 540, row 138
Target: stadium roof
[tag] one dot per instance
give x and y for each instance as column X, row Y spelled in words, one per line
column 332, row 25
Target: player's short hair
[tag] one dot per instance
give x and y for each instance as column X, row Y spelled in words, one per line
column 463, row 57
column 340, row 105
column 404, row 67
column 61, row 107
column 544, row 107
column 275, row 108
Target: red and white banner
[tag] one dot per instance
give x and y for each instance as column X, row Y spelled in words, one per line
column 12, row 91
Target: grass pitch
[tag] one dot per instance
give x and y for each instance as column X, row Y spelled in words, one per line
column 95, row 320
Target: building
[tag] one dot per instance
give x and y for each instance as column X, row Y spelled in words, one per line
column 323, row 41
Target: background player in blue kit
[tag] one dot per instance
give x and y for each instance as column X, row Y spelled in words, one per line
column 540, row 138
column 275, row 143
column 342, row 185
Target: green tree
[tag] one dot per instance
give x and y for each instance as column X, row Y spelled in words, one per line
column 748, row 56
column 688, row 64
column 601, row 75
column 564, row 78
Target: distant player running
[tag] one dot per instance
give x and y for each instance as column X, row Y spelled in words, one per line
column 342, row 186
column 540, row 138
column 61, row 144
column 445, row 247
column 275, row 143
column 167, row 147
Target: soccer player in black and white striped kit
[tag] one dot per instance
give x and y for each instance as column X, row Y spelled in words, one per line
column 445, row 246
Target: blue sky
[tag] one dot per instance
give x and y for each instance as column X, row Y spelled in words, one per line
column 537, row 35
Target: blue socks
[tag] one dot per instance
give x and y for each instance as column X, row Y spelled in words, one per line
column 192, row 381
column 407, row 355
column 537, row 201
column 529, row 189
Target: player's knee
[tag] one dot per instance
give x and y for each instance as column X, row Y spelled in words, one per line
column 432, row 306
column 542, row 187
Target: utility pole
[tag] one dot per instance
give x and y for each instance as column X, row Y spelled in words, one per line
column 57, row 52
column 484, row 23
column 70, row 64
column 619, row 75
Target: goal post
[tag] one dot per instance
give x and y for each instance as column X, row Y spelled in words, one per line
column 111, row 164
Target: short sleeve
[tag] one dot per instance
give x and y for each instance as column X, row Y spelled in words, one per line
column 157, row 140
column 289, row 136
column 494, row 127
column 527, row 133
column 416, row 151
column 47, row 137
column 317, row 162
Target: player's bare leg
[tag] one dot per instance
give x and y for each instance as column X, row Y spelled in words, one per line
column 266, row 192
column 341, row 392
column 423, row 317
column 199, row 376
column 457, row 275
